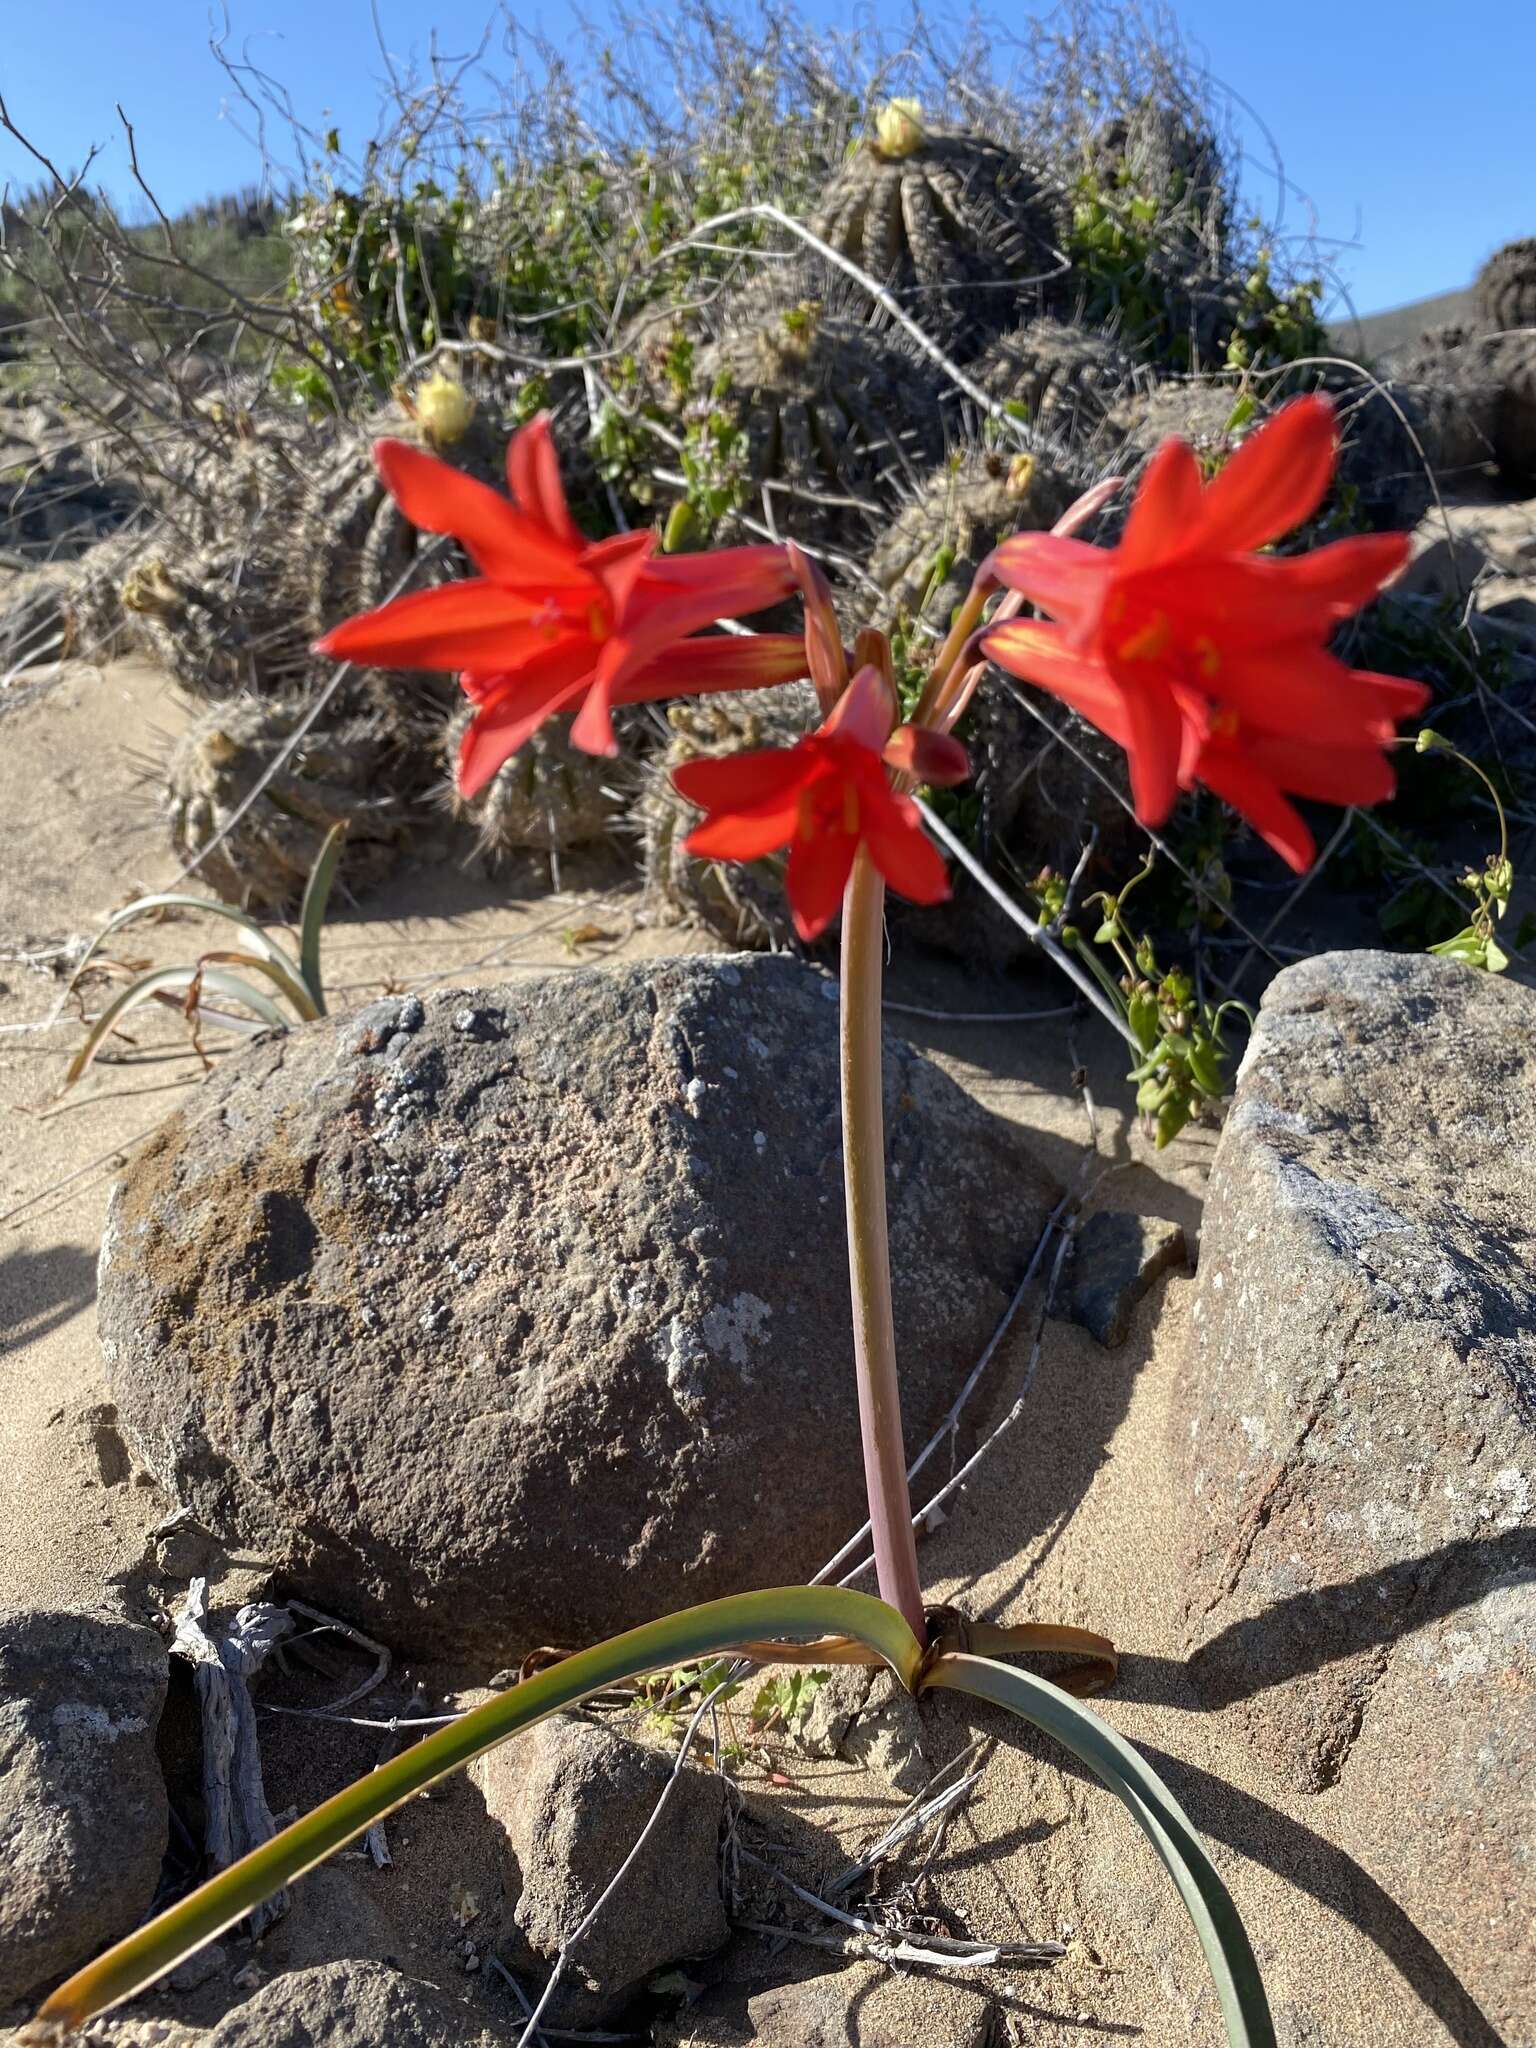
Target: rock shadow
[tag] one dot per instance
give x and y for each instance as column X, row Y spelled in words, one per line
column 41, row 1290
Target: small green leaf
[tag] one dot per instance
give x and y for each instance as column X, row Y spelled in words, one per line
column 1241, row 413
column 317, row 893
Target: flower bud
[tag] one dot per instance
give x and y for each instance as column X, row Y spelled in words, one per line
column 444, row 409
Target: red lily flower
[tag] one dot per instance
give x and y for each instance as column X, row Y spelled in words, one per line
column 1208, row 661
column 554, row 622
column 825, row 797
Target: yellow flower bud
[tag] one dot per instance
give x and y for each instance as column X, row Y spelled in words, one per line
column 899, row 129
column 444, row 409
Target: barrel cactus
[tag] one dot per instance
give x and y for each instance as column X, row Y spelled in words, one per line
column 743, row 904
column 333, row 774
column 819, row 414
column 1505, row 292
column 930, row 550
column 958, row 226
column 1452, row 386
column 548, row 797
column 1061, row 378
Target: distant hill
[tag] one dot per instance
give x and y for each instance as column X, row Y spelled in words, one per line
column 1377, row 334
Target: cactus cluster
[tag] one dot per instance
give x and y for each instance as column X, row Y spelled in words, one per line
column 746, row 389
column 1473, row 387
column 1505, row 292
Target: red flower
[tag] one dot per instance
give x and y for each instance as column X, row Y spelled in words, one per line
column 823, row 798
column 1205, row 660
column 555, row 622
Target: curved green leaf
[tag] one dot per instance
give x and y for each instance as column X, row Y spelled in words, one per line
column 283, row 978
column 1111, row 1758
column 149, row 987
column 176, row 899
column 317, row 893
column 801, row 1612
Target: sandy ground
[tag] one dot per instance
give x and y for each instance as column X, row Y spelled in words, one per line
column 1075, row 1516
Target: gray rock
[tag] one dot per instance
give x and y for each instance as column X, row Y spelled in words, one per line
column 572, row 1798
column 527, row 1334
column 1361, row 1413
column 353, row 2005
column 1115, row 1261
column 199, row 1969
column 83, row 1814
column 886, row 1737
column 860, row 2005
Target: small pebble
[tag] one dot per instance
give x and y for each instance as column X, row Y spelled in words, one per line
column 197, row 1970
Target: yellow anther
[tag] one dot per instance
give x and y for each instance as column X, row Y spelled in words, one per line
column 1149, row 641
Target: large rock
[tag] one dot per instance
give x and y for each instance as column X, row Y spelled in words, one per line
column 521, row 1315
column 572, row 1800
column 353, row 2005
column 83, row 1813
column 1362, row 1415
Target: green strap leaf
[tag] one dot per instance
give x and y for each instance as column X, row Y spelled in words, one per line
column 317, row 893
column 1228, row 1952
column 176, row 899
column 282, row 978
column 151, row 987
column 803, row 1612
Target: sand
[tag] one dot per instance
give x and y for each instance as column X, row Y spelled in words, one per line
column 1075, row 1516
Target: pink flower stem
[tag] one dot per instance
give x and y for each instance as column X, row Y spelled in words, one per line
column 869, row 1256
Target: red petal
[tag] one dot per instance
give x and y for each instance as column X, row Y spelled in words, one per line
column 1348, row 573
column 1043, row 655
column 1067, row 578
column 927, row 756
column 738, row 782
column 1304, row 693
column 669, row 599
column 616, row 563
column 718, row 662
column 1397, row 697
column 592, row 727
column 1276, row 479
column 1333, row 775
column 744, row 835
column 864, row 713
column 533, row 477
column 504, row 542
column 1251, row 793
column 823, row 638
column 501, row 726
column 1153, row 752
column 816, row 878
column 903, row 852
column 473, row 624
column 1165, row 514
column 1241, row 601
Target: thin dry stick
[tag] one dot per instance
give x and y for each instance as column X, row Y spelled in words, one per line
column 1021, row 917
column 947, row 1427
column 896, row 1945
column 959, row 1478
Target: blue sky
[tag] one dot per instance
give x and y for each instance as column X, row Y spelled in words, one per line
column 1409, row 125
